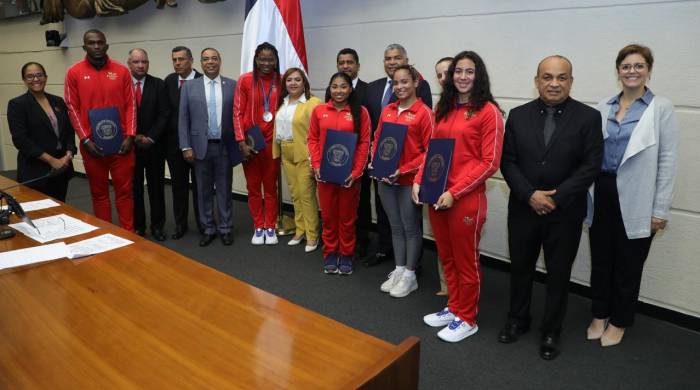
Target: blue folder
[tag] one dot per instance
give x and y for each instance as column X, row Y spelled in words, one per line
column 338, row 155
column 437, row 165
column 389, row 148
column 107, row 130
column 253, row 137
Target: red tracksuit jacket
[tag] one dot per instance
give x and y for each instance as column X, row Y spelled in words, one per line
column 419, row 119
column 249, row 107
column 326, row 116
column 478, row 143
column 87, row 87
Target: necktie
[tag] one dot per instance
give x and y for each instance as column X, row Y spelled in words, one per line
column 181, row 82
column 387, row 94
column 138, row 93
column 549, row 125
column 213, row 120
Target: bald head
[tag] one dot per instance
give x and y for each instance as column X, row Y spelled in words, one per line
column 138, row 63
column 554, row 79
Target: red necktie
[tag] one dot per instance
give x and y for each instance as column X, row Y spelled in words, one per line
column 181, row 82
column 138, row 93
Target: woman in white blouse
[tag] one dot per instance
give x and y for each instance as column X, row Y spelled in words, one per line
column 291, row 128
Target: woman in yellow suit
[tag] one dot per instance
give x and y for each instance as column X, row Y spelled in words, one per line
column 291, row 128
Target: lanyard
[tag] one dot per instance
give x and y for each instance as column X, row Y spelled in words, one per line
column 266, row 97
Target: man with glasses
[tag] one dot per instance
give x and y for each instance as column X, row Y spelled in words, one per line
column 98, row 82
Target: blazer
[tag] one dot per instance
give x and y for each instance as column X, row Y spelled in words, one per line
column 193, row 120
column 375, row 93
column 300, row 130
column 568, row 164
column 647, row 173
column 152, row 114
column 172, row 91
column 33, row 135
column 360, row 91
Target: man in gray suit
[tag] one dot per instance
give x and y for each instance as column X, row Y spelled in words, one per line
column 205, row 124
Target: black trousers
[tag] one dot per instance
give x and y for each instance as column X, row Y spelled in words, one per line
column 559, row 239
column 150, row 161
column 55, row 186
column 364, row 219
column 180, row 173
column 616, row 261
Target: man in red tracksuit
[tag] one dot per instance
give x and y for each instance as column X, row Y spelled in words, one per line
column 99, row 82
column 255, row 103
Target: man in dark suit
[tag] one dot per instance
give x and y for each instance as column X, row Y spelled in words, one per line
column 151, row 116
column 205, row 126
column 180, row 170
column 551, row 154
column 380, row 93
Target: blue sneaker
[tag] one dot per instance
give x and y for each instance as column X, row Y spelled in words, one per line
column 345, row 266
column 330, row 264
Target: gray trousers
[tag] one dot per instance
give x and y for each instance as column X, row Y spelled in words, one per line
column 406, row 221
column 214, row 176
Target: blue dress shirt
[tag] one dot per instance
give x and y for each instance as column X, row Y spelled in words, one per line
column 619, row 132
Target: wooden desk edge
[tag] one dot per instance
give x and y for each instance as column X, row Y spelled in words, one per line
column 398, row 369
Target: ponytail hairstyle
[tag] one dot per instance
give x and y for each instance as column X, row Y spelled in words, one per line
column 479, row 95
column 353, row 101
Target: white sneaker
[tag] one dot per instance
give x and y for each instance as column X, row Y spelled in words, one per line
column 270, row 237
column 405, row 285
column 393, row 278
column 258, row 237
column 441, row 318
column 457, row 330
column 295, row 242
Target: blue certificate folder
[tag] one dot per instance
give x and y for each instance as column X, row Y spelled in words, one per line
column 253, row 137
column 437, row 165
column 338, row 155
column 388, row 151
column 106, row 129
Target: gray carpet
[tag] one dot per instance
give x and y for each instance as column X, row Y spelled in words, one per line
column 653, row 355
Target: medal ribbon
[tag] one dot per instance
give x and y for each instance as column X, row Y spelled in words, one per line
column 266, row 97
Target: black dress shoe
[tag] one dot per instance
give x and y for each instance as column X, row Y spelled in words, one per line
column 227, row 239
column 206, row 239
column 140, row 232
column 511, row 332
column 158, row 235
column 376, row 259
column 549, row 347
column 179, row 232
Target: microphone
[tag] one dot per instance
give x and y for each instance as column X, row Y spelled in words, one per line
column 14, row 207
column 51, row 173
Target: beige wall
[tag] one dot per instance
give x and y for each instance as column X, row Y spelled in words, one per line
column 510, row 35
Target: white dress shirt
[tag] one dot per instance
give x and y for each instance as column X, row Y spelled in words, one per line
column 284, row 118
column 219, row 99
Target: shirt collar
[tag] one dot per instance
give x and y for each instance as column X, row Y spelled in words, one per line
column 559, row 107
column 302, row 99
column 189, row 76
column 134, row 80
column 412, row 108
column 646, row 98
column 207, row 79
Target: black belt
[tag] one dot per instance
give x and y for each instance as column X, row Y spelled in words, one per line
column 213, row 141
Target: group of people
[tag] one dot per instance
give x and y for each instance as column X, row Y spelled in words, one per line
column 564, row 162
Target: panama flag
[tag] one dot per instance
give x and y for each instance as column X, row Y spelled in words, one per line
column 279, row 23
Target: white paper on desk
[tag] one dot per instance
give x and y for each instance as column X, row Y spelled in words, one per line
column 36, row 205
column 34, row 254
column 99, row 244
column 53, row 228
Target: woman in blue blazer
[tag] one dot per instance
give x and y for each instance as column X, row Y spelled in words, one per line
column 42, row 134
column 632, row 195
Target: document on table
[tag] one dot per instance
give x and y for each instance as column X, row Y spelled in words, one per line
column 99, row 244
column 36, row 205
column 37, row 254
column 53, row 228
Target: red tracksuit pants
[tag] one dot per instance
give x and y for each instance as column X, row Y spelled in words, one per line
column 339, row 213
column 261, row 174
column 457, row 232
column 121, row 169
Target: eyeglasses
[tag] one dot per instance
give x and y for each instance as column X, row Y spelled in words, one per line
column 38, row 76
column 637, row 67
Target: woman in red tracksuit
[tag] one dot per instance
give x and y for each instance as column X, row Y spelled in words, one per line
column 468, row 113
column 339, row 203
column 255, row 103
column 405, row 217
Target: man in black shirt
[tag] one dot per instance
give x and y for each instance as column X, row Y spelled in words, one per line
column 552, row 152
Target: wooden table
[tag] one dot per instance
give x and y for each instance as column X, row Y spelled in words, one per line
column 144, row 316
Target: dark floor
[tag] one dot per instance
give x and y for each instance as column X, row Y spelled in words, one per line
column 654, row 354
